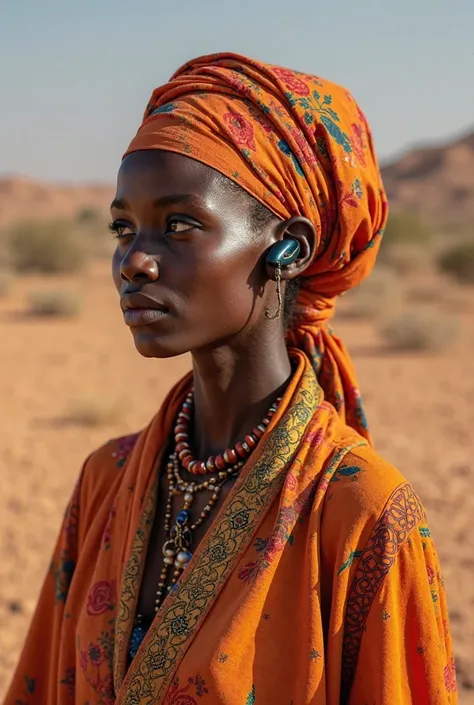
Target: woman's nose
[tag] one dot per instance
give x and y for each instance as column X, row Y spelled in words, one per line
column 138, row 266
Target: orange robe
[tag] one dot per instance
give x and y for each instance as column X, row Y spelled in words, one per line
column 317, row 583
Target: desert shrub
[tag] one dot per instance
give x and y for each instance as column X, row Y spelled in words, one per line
column 53, row 304
column 379, row 293
column 407, row 259
column 458, row 262
column 101, row 244
column 420, row 330
column 425, row 294
column 404, row 229
column 46, row 248
column 6, row 280
column 87, row 216
column 5, row 255
column 93, row 411
column 96, row 237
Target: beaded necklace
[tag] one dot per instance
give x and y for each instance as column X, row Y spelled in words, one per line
column 177, row 549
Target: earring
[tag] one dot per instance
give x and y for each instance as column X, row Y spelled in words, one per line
column 273, row 316
column 283, row 253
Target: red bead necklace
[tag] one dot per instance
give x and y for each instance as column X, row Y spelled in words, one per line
column 222, row 461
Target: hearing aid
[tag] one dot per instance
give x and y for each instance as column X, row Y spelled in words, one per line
column 283, row 253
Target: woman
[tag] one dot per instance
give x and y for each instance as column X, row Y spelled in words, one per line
column 249, row 546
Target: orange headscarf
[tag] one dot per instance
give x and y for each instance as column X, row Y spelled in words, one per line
column 301, row 146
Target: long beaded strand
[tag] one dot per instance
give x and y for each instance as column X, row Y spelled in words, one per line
column 177, row 548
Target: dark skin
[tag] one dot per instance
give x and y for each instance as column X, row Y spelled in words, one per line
column 189, row 247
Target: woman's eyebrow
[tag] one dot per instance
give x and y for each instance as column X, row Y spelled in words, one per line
column 171, row 200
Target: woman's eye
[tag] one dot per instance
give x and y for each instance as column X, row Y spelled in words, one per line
column 180, row 226
column 119, row 229
column 123, row 231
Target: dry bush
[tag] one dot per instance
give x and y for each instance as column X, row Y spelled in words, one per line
column 87, row 216
column 378, row 294
column 426, row 294
column 6, row 280
column 93, row 411
column 51, row 304
column 5, row 255
column 404, row 229
column 46, row 248
column 458, row 262
column 93, row 233
column 420, row 329
column 407, row 260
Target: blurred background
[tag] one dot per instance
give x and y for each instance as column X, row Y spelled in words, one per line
column 74, row 80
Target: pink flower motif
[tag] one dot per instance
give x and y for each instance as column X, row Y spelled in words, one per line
column 83, row 660
column 125, row 445
column 290, row 482
column 323, row 483
column 292, row 81
column 328, row 219
column 306, row 154
column 249, row 572
column 315, row 437
column 362, row 117
column 261, row 118
column 358, row 144
column 431, row 574
column 236, row 82
column 265, row 124
column 96, row 655
column 274, row 546
column 450, row 676
column 241, row 129
column 101, row 597
column 105, row 688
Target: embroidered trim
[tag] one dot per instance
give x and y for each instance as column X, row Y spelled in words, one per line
column 400, row 517
column 184, row 610
column 130, row 587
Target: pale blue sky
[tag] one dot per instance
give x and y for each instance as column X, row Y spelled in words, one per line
column 75, row 76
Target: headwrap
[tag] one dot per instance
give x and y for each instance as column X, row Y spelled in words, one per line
column 301, row 146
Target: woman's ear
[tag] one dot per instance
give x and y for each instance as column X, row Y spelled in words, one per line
column 303, row 231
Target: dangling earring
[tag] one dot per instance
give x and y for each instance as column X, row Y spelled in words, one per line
column 281, row 254
column 273, row 316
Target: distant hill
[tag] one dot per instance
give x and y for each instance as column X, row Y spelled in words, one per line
column 436, row 181
column 27, row 199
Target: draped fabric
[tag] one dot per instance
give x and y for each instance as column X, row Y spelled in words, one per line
column 317, row 583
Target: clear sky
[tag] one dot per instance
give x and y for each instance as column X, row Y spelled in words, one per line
column 75, row 75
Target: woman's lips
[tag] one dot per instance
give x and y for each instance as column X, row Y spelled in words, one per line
column 142, row 316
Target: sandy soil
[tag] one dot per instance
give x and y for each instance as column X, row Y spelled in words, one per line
column 420, row 408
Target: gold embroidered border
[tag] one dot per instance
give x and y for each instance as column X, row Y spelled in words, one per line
column 130, row 587
column 183, row 611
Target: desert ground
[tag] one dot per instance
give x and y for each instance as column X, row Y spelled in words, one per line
column 65, row 389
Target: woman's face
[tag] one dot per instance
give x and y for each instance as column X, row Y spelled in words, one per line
column 189, row 262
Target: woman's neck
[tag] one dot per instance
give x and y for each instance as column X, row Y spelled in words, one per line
column 234, row 387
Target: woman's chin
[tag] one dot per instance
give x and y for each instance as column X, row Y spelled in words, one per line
column 153, row 345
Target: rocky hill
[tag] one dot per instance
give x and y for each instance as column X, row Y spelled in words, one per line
column 437, row 182
column 27, row 199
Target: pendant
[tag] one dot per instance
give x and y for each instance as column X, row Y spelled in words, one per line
column 136, row 638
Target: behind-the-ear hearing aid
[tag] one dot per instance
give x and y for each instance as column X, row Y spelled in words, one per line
column 281, row 254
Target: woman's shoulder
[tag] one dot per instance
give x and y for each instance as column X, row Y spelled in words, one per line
column 112, row 456
column 104, row 466
column 364, row 478
column 367, row 495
